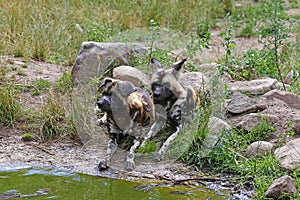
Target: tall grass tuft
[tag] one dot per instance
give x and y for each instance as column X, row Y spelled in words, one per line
column 10, row 107
column 53, row 119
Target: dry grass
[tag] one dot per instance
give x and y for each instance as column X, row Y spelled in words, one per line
column 46, row 30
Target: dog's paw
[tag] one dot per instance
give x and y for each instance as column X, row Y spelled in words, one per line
column 102, row 120
column 129, row 166
column 103, row 165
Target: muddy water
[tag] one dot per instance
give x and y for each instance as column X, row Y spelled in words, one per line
column 38, row 183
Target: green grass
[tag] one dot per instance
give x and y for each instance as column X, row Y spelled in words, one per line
column 10, row 106
column 53, row 120
column 48, row 30
column 39, row 86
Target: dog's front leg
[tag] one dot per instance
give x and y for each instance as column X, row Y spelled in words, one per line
column 111, row 149
column 130, row 165
column 102, row 120
column 160, row 120
column 160, row 154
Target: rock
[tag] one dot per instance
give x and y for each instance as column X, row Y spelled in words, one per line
column 195, row 79
column 216, row 127
column 258, row 86
column 281, row 186
column 131, row 74
column 19, row 63
column 249, row 121
column 297, row 126
column 290, row 99
column 94, row 58
column 288, row 155
column 259, row 148
column 240, row 104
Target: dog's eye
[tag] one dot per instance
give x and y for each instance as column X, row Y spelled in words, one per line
column 155, row 85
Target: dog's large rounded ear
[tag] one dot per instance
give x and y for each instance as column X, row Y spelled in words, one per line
column 104, row 82
column 176, row 67
column 155, row 64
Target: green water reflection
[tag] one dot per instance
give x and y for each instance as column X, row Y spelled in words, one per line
column 66, row 185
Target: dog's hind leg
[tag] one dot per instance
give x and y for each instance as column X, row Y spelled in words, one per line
column 160, row 154
column 111, row 149
column 130, row 165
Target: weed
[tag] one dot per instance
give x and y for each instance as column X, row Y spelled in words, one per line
column 99, row 32
column 10, row 107
column 274, row 33
column 53, row 119
column 64, row 84
column 27, row 137
column 229, row 45
column 149, row 147
column 227, row 155
column 39, row 86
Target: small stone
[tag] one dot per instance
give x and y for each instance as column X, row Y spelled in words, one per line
column 283, row 185
column 240, row 104
column 19, row 63
column 195, row 79
column 292, row 100
column 259, row 148
column 297, row 126
column 251, row 120
column 288, row 155
column 258, row 86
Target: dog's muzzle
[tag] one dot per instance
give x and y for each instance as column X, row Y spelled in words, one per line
column 104, row 104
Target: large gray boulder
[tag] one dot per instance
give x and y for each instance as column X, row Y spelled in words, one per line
column 288, row 155
column 93, row 58
column 284, row 185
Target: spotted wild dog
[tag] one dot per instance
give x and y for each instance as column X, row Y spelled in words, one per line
column 129, row 111
column 176, row 100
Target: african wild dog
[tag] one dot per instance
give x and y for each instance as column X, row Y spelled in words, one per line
column 129, row 110
column 176, row 100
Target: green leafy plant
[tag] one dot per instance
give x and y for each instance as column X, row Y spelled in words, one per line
column 273, row 35
column 27, row 137
column 229, row 45
column 149, row 147
column 229, row 148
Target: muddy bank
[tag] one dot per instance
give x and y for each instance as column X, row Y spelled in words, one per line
column 72, row 156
